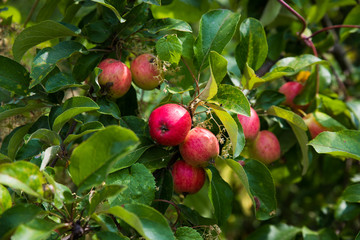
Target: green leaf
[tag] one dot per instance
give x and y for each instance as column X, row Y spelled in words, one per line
column 155, row 158
column 36, row 229
column 135, row 20
column 39, row 33
column 339, row 144
column 303, row 140
column 279, row 231
column 240, row 143
column 111, row 7
column 169, row 48
column 164, row 189
column 85, row 65
column 10, row 110
column 47, row 10
column 106, row 235
column 249, row 79
column 268, row 98
column 5, row 199
column 288, row 116
column 13, row 76
column 308, row 93
column 220, row 195
column 217, row 27
column 352, row 193
column 155, row 2
column 218, row 69
column 253, row 47
column 108, row 107
column 15, row 216
column 328, row 122
column 49, row 154
column 46, row 59
column 140, row 185
column 351, row 19
column 229, row 124
column 86, row 128
column 187, row 233
column 278, row 73
column 97, row 32
column 61, row 81
column 167, row 24
column 92, row 159
column 16, row 140
column 148, row 222
column 103, row 194
column 232, row 99
column 72, row 107
column 271, row 11
column 47, row 136
column 24, row 176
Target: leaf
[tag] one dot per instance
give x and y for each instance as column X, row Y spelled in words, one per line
column 232, row 99
column 24, row 176
column 46, row 59
column 155, row 2
column 148, row 222
column 5, row 199
column 47, row 10
column 271, row 11
column 169, row 48
column 249, row 79
column 288, row 116
column 167, row 24
column 240, row 143
column 13, row 76
column 86, row 128
column 187, row 233
column 278, row 73
column 279, row 231
column 217, row 27
column 352, row 193
column 218, row 69
column 140, row 185
column 36, row 229
column 61, row 81
column 106, row 192
column 164, row 189
column 351, row 19
column 339, row 144
column 39, row 33
column 108, row 107
column 135, row 20
column 10, row 110
column 97, row 32
column 229, row 124
column 49, row 154
column 155, row 158
column 72, row 107
column 302, row 139
column 85, row 65
column 15, row 216
column 253, row 47
column 328, row 122
column 220, row 195
column 47, row 136
column 16, row 140
column 268, row 98
column 112, row 8
column 91, row 161
column 308, row 93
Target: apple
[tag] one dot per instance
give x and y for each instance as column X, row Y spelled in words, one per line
column 266, row 147
column 250, row 125
column 145, row 72
column 187, row 178
column 291, row 90
column 315, row 128
column 169, row 124
column 199, row 147
column 115, row 77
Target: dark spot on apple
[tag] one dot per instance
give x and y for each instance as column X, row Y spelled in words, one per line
column 164, row 128
column 152, row 60
column 108, row 85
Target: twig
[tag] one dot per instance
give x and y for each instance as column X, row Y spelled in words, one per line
column 302, row 20
column 330, row 28
column 31, row 12
column 175, row 206
column 116, row 222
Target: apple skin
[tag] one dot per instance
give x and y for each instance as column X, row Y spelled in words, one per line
column 145, row 72
column 250, row 125
column 291, row 90
column 315, row 128
column 169, row 124
column 115, row 77
column 266, row 147
column 187, row 178
column 199, row 147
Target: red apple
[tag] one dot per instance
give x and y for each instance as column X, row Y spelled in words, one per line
column 145, row 72
column 115, row 77
column 169, row 124
column 199, row 147
column 250, row 125
column 291, row 90
column 266, row 147
column 187, row 178
column 315, row 128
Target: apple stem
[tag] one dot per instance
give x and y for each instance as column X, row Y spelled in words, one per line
column 175, row 206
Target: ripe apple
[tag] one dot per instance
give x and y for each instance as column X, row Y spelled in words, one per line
column 169, row 124
column 250, row 125
column 266, row 147
column 187, row 178
column 199, row 147
column 115, row 77
column 315, row 128
column 291, row 90
column 145, row 72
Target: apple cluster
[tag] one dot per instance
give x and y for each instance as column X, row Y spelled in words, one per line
column 170, row 125
column 115, row 78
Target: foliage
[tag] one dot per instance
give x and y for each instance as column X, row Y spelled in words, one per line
column 75, row 163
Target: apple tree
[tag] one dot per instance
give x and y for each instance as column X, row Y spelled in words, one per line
column 174, row 119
